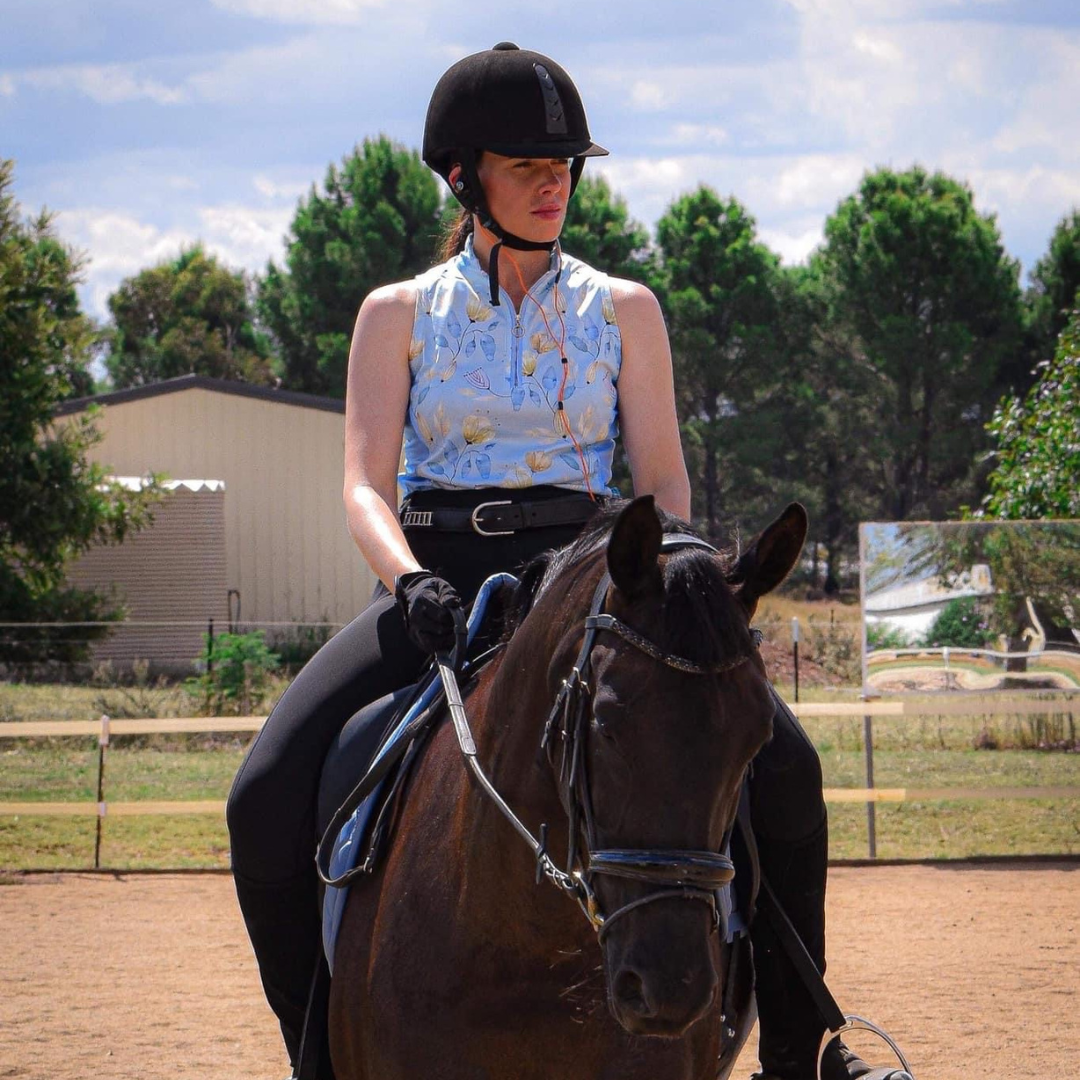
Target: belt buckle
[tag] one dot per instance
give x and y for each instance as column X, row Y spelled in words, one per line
column 486, row 532
column 414, row 518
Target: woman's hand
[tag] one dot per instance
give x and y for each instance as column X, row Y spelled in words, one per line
column 428, row 604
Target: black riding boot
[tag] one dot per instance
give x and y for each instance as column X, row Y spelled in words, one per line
column 790, row 1025
column 283, row 924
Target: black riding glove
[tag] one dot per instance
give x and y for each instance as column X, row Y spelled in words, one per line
column 427, row 603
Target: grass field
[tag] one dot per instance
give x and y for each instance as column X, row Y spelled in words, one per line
column 924, row 752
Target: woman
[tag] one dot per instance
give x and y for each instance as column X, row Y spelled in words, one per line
column 506, row 369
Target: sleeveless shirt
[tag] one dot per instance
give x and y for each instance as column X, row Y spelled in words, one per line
column 483, row 405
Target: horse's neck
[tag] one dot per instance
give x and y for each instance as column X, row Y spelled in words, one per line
column 507, row 713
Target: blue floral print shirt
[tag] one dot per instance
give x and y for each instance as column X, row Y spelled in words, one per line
column 483, row 407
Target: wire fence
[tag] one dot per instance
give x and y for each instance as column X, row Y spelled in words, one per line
column 72, row 650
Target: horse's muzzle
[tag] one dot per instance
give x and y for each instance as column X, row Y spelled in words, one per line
column 661, row 1005
column 661, row 969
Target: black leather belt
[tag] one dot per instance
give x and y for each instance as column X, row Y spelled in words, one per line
column 502, row 517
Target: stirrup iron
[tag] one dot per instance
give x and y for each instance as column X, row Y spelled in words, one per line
column 859, row 1023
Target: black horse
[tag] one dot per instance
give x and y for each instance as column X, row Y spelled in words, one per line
column 615, row 726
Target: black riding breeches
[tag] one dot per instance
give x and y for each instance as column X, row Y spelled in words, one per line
column 271, row 809
column 786, row 801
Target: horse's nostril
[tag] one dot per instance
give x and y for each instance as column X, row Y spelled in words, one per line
column 630, row 993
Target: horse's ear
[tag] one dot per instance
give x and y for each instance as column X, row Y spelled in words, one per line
column 771, row 556
column 634, row 547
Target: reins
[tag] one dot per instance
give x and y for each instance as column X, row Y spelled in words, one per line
column 678, row 874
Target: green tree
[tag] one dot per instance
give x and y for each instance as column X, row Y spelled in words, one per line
column 930, row 304
column 824, row 401
column 1055, row 282
column 377, row 220
column 54, row 503
column 960, row 624
column 189, row 315
column 1037, row 455
column 720, row 288
column 599, row 230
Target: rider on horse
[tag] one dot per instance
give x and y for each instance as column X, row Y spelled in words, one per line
column 507, row 369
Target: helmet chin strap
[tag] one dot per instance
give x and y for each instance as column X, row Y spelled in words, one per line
column 472, row 198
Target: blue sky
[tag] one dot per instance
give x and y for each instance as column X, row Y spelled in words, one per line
column 147, row 125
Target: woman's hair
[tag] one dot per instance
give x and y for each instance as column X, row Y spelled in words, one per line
column 455, row 234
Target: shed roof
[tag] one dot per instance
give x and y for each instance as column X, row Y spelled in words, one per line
column 138, row 483
column 204, row 382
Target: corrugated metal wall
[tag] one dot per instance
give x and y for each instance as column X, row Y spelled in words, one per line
column 288, row 549
column 172, row 572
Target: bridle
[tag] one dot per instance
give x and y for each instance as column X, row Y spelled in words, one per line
column 676, row 873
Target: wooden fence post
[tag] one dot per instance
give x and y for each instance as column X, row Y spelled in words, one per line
column 103, row 742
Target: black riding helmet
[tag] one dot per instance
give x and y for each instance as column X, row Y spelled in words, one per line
column 513, row 102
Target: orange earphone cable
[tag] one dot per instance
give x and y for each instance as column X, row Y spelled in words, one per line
column 561, row 418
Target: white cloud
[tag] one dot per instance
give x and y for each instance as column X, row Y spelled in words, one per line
column 321, row 12
column 272, row 189
column 313, row 67
column 179, row 182
column 851, row 10
column 7, row 86
column 1046, row 116
column 1010, row 191
column 245, row 236
column 649, row 96
column 695, row 135
column 107, row 84
column 790, row 192
column 817, row 179
column 120, row 244
column 877, row 47
column 793, row 246
column 648, row 184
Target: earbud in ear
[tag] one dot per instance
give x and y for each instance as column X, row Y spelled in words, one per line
column 459, row 185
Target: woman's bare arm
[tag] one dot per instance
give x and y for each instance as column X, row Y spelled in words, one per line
column 647, row 417
column 376, row 404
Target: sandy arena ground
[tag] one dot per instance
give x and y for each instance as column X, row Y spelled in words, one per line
column 973, row 969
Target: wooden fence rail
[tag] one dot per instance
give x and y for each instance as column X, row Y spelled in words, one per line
column 966, row 705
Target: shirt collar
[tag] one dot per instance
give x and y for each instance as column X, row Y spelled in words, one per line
column 469, row 266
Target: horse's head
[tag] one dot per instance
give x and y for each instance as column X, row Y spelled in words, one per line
column 674, row 705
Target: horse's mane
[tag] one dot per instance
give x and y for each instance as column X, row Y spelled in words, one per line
column 702, row 618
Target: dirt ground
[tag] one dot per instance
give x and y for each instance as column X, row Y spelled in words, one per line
column 973, row 969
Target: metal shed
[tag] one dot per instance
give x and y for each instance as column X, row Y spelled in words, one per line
column 170, row 576
column 279, row 454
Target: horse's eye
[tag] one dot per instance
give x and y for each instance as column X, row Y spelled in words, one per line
column 603, row 721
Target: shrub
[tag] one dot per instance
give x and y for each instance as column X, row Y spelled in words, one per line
column 884, row 636
column 835, row 647
column 960, row 625
column 296, row 645
column 236, row 670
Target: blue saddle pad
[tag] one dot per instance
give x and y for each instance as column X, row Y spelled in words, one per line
column 351, row 839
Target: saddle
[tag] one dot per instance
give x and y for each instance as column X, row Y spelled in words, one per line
column 380, row 744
